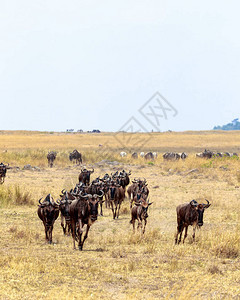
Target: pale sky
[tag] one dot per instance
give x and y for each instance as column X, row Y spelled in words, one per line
column 93, row 64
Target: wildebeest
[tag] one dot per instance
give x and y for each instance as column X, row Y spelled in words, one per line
column 48, row 212
column 141, row 154
column 134, row 155
column 149, row 156
column 115, row 197
column 83, row 211
column 84, row 176
column 3, row 171
column 64, row 207
column 139, row 213
column 51, row 157
column 77, row 156
column 189, row 214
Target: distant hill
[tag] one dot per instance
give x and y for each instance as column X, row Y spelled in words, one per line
column 234, row 125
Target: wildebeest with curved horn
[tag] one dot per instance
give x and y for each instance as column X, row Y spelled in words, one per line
column 77, row 156
column 84, row 176
column 83, row 211
column 48, row 212
column 189, row 214
column 51, row 157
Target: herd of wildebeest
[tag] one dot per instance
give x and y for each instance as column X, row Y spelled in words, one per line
column 84, row 203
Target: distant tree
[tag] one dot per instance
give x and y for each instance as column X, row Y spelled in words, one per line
column 234, row 125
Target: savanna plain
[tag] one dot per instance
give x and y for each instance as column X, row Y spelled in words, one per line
column 116, row 263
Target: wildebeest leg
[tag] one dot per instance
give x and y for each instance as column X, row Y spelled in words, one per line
column 115, row 209
column 144, row 226
column 46, row 233
column 50, row 234
column 185, row 235
column 194, row 229
column 111, row 203
column 119, row 205
column 80, row 244
column 62, row 224
column 73, row 233
column 179, row 231
column 85, row 236
column 101, row 212
column 180, row 237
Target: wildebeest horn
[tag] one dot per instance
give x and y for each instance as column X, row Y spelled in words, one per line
column 99, row 196
column 92, row 170
column 58, row 201
column 40, row 201
column 86, row 196
column 63, row 191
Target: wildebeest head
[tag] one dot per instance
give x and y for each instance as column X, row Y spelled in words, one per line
column 144, row 205
column 92, row 201
column 200, row 210
column 86, row 175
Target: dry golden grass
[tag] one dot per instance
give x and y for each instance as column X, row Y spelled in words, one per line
column 115, row 263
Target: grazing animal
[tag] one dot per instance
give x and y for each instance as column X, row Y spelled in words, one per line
column 123, row 154
column 134, row 155
column 48, row 212
column 149, row 156
column 51, row 157
column 141, row 154
column 139, row 213
column 189, row 214
column 77, row 156
column 3, row 171
column 83, row 211
column 84, row 176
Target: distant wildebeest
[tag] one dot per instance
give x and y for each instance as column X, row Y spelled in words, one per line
column 84, row 176
column 48, row 212
column 83, row 211
column 123, row 154
column 115, row 197
column 134, row 155
column 51, row 157
column 141, row 154
column 189, row 214
column 77, row 156
column 149, row 156
column 64, row 208
column 3, row 171
column 154, row 154
column 139, row 213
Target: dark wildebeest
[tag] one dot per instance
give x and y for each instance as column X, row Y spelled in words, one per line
column 189, row 214
column 139, row 212
column 183, row 155
column 149, row 156
column 51, row 157
column 115, row 196
column 48, row 212
column 83, row 211
column 64, row 207
column 169, row 156
column 97, row 188
column 134, row 155
column 84, row 176
column 207, row 154
column 77, row 156
column 3, row 171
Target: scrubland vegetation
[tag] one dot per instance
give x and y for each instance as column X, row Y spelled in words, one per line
column 115, row 263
